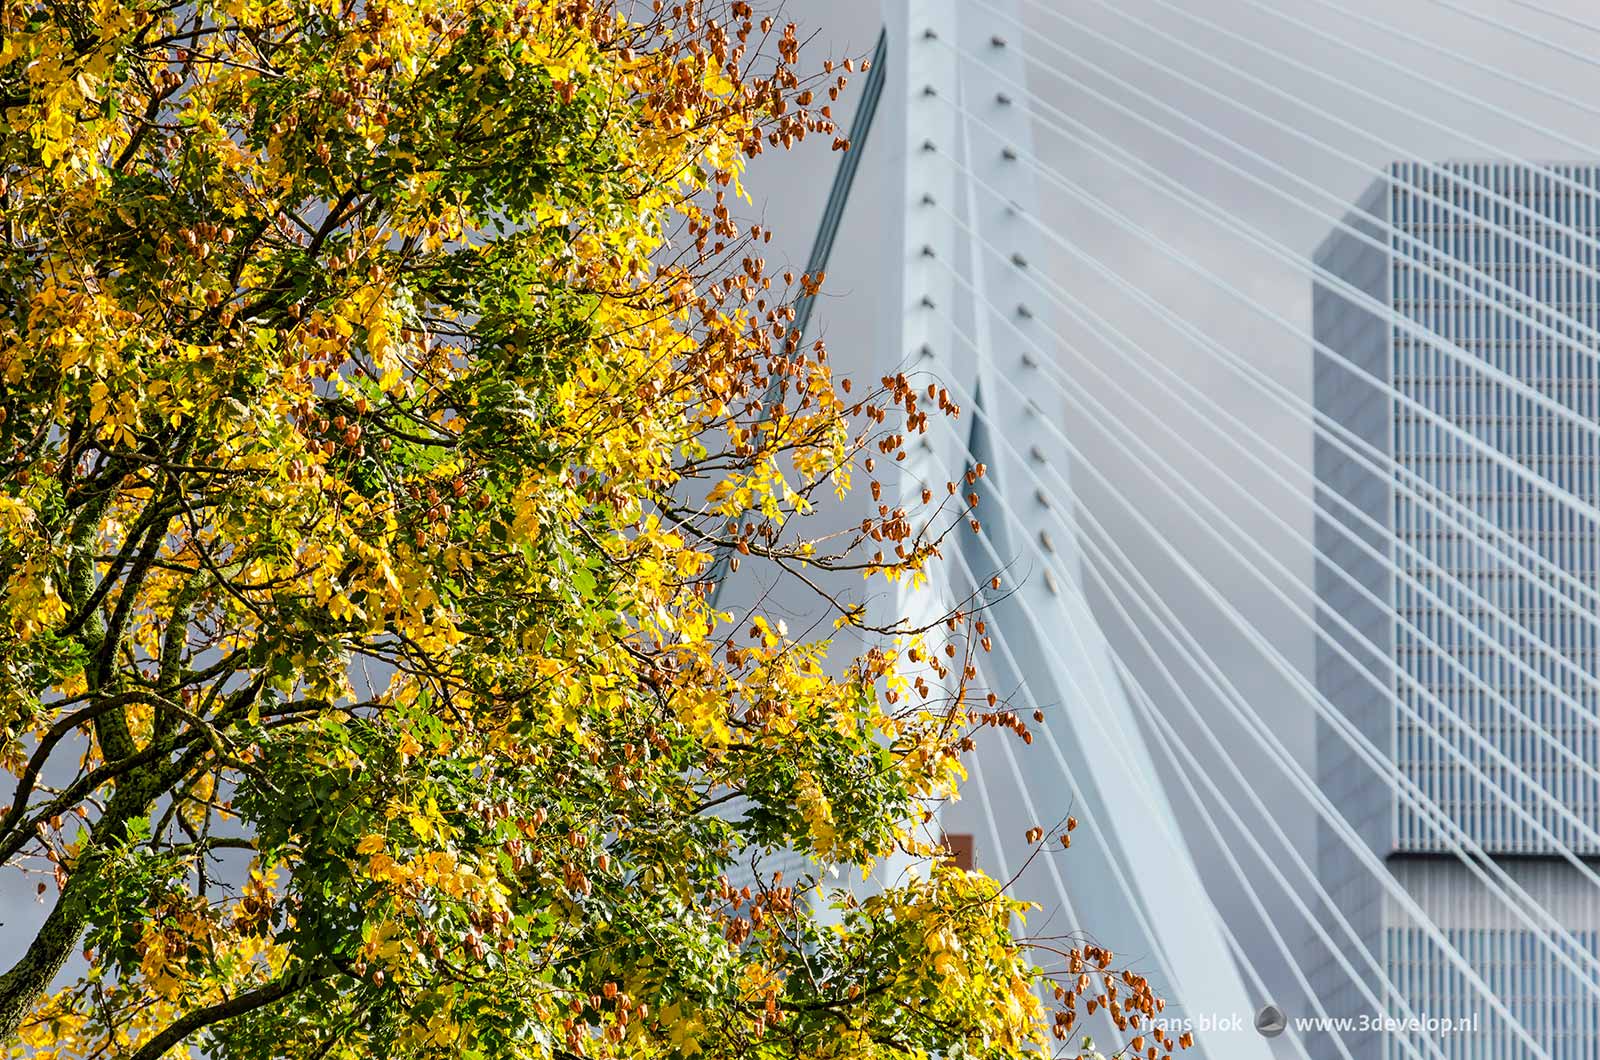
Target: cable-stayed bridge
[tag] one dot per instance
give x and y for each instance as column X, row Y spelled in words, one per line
column 1275, row 327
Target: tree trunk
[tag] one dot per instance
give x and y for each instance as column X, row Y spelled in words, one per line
column 29, row 978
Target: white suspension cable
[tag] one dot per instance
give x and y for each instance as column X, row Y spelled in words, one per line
column 1143, row 702
column 1247, row 833
column 1382, row 688
column 1508, row 233
column 1150, row 797
column 1588, row 616
column 1391, row 30
column 1336, row 434
column 1092, row 819
column 1562, row 16
column 1517, row 31
column 1060, row 298
column 1285, row 760
column 1166, row 738
column 1335, row 949
column 976, row 773
column 1416, row 916
column 1217, row 682
column 1396, row 150
column 1470, row 852
column 1541, row 734
column 1133, row 437
column 1103, row 328
column 1239, row 954
column 1432, row 82
column 1452, row 832
column 1373, row 97
column 1570, row 500
column 1330, row 428
column 1199, row 985
column 1436, row 261
column 1351, row 292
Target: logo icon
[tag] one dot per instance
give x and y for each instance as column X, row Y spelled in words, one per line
column 1270, row 1021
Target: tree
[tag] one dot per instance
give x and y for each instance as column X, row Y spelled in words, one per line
column 381, row 379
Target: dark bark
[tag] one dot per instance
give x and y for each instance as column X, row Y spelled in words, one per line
column 238, row 1005
column 26, row 981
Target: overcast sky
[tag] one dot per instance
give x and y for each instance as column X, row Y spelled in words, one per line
column 1320, row 148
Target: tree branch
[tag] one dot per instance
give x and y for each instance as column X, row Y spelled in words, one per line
column 238, row 1005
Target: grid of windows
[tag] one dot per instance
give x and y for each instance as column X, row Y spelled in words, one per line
column 1552, row 1004
column 1473, row 645
column 1467, row 635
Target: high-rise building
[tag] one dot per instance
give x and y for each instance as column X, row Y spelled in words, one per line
column 1457, row 585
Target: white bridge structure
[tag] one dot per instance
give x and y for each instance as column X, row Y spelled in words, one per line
column 1278, row 331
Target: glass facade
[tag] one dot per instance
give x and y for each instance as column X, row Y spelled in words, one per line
column 1472, row 624
column 1456, row 549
